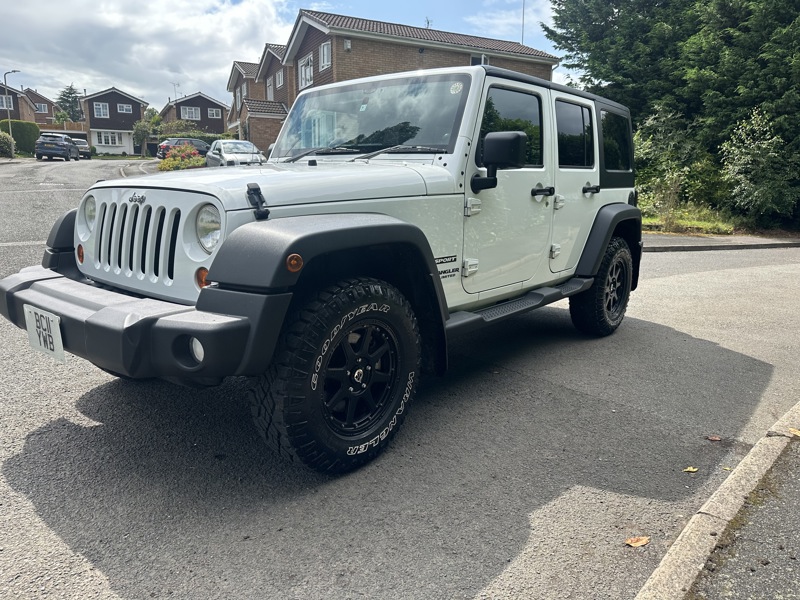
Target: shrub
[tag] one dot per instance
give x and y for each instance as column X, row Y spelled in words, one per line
column 182, row 157
column 25, row 134
column 6, row 144
column 762, row 171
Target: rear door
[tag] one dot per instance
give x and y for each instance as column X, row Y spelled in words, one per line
column 577, row 176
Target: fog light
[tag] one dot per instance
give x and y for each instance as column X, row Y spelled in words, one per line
column 197, row 350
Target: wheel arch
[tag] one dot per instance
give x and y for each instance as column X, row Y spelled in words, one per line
column 336, row 246
column 613, row 220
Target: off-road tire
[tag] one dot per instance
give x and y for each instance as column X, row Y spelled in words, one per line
column 343, row 376
column 600, row 309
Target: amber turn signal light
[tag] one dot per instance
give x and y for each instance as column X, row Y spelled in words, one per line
column 80, row 253
column 294, row 262
column 200, row 277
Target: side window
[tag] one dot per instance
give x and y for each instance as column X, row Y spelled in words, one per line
column 616, row 141
column 509, row 110
column 575, row 135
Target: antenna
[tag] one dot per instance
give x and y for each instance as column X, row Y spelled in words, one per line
column 428, row 23
column 523, row 23
column 175, row 86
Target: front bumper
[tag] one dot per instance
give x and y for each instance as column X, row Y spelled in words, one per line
column 143, row 337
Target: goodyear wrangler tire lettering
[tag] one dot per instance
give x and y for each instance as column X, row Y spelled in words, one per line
column 344, row 378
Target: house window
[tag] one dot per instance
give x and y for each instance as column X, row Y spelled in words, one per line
column 244, row 89
column 239, row 97
column 190, row 113
column 270, row 91
column 125, row 108
column 305, row 67
column 325, row 56
column 6, row 102
column 214, row 113
column 279, row 79
column 41, row 108
column 108, row 138
column 101, row 110
column 479, row 60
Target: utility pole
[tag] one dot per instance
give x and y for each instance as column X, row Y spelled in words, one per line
column 523, row 23
column 7, row 100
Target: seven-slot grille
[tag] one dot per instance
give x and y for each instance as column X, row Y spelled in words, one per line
column 136, row 241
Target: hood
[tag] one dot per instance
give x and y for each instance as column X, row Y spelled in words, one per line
column 288, row 184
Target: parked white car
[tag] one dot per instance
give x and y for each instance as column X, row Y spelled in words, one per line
column 231, row 153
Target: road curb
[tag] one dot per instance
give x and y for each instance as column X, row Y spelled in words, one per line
column 704, row 247
column 685, row 559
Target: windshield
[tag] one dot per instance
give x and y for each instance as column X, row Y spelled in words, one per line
column 423, row 112
column 239, row 148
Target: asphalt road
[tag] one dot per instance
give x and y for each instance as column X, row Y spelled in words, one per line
column 518, row 475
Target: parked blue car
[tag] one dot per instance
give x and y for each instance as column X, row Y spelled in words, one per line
column 56, row 144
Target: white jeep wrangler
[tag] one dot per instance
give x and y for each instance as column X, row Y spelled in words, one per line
column 393, row 211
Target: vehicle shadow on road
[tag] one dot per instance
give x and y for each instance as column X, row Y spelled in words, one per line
column 176, row 482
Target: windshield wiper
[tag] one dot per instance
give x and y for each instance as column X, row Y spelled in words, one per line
column 400, row 148
column 322, row 150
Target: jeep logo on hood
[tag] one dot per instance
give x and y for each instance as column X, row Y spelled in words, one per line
column 138, row 198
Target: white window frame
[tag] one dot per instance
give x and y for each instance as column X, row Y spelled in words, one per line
column 125, row 108
column 42, row 108
column 109, row 138
column 279, row 79
column 238, row 97
column 270, row 90
column 305, row 71
column 214, row 113
column 244, row 90
column 325, row 56
column 101, row 110
column 7, row 102
column 190, row 113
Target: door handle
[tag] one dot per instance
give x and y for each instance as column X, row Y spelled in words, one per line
column 591, row 189
column 543, row 191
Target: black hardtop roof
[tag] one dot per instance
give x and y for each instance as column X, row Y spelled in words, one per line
column 521, row 77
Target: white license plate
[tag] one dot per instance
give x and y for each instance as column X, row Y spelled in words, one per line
column 44, row 332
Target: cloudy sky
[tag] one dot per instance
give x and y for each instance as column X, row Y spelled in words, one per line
column 153, row 49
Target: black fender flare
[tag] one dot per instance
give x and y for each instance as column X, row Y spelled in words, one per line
column 59, row 255
column 624, row 220
column 253, row 257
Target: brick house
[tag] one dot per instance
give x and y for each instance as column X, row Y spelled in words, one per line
column 110, row 115
column 326, row 48
column 16, row 104
column 205, row 113
column 46, row 109
column 242, row 85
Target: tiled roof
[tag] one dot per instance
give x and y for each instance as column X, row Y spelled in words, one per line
column 341, row 22
column 277, row 49
column 267, row 107
column 249, row 69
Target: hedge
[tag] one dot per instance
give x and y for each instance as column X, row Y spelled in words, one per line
column 25, row 134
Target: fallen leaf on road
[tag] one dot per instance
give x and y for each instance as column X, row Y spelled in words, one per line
column 690, row 470
column 635, row 542
column 727, row 469
column 795, row 432
column 713, row 438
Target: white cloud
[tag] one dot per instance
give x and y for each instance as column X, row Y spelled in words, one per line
column 140, row 48
column 502, row 19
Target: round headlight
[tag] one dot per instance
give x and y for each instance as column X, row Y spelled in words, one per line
column 89, row 212
column 208, row 227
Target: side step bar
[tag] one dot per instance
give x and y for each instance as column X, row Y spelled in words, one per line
column 465, row 320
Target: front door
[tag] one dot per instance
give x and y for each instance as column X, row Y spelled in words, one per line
column 507, row 228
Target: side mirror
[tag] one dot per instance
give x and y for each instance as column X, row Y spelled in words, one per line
column 501, row 150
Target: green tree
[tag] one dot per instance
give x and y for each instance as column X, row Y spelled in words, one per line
column 628, row 50
column 69, row 101
column 758, row 164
